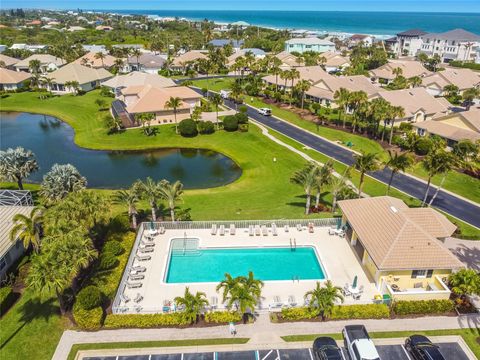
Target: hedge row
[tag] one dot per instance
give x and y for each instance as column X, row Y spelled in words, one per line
column 158, row 320
column 339, row 312
column 422, row 307
column 7, row 298
column 88, row 319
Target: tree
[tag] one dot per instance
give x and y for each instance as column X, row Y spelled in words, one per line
column 395, row 112
column 17, row 164
column 364, row 163
column 323, row 177
column 60, row 181
column 130, row 198
column 306, row 177
column 137, row 53
column 342, row 97
column 303, row 86
column 469, row 95
column 174, row 103
column 171, row 193
column 446, row 161
column 437, row 161
column 193, row 304
column 397, row 162
column 28, row 228
column 100, row 55
column 355, row 100
column 415, row 81
column 450, row 90
column 227, row 286
column 338, row 185
column 145, row 119
column 101, row 103
column 216, row 101
column 118, row 64
column 322, row 299
column 465, row 282
column 35, row 69
column 73, row 85
column 151, row 191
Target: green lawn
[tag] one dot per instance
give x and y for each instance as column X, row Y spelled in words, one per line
column 153, row 344
column 471, row 336
column 455, row 182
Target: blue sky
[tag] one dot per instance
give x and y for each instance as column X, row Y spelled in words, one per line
column 326, row 5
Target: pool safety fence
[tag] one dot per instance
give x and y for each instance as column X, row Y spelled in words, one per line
column 184, row 245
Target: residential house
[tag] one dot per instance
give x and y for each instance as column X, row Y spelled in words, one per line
column 454, row 127
column 257, row 53
column 309, row 44
column 136, row 78
column 409, row 68
column 455, row 44
column 32, row 48
column 151, row 99
column 236, row 44
column 417, row 103
column 88, row 78
column 90, row 59
column 407, row 43
column 47, row 63
column 462, row 78
column 11, row 80
column 8, row 61
column 146, row 62
column 288, row 60
column 356, row 39
column 181, row 62
column 76, row 28
column 400, row 247
column 95, row 48
column 104, row 28
column 335, row 62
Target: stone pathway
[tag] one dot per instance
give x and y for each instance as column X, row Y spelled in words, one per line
column 262, row 333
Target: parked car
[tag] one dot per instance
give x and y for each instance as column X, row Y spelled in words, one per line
column 325, row 348
column 265, row 111
column 421, row 348
column 225, row 94
column 358, row 343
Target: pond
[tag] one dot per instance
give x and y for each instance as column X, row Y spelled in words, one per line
column 52, row 142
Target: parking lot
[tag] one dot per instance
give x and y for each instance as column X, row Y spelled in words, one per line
column 386, row 352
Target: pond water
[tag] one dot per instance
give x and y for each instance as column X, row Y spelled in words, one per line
column 52, row 142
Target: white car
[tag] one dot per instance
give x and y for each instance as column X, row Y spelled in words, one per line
column 225, row 94
column 265, row 111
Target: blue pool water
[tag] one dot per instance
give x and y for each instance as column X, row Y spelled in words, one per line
column 210, row 265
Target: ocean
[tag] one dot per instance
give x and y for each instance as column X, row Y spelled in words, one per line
column 375, row 23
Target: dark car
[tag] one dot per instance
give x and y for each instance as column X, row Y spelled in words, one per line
column 325, row 348
column 421, row 348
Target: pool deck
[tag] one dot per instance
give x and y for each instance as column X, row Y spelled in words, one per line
column 336, row 256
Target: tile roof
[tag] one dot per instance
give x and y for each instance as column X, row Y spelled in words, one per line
column 6, row 224
column 412, row 32
column 136, row 78
column 189, row 56
column 463, row 78
column 334, row 59
column 43, row 58
column 456, row 34
column 80, row 73
column 409, row 68
column 9, row 61
column 148, row 60
column 399, row 238
column 223, row 42
column 90, row 59
column 8, row 76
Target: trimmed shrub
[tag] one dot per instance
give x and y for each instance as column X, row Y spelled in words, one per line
column 206, row 127
column 187, row 128
column 7, row 297
column 405, row 126
column 242, row 118
column 89, row 297
column 88, row 319
column 423, row 307
column 242, row 109
column 107, row 261
column 300, row 313
column 230, row 123
column 340, row 312
column 145, row 321
column 222, row 317
column 113, row 247
column 422, row 146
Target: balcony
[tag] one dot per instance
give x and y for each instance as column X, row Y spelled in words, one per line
column 418, row 289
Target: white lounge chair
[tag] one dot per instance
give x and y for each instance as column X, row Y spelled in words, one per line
column 274, row 229
column 286, row 228
column 276, row 303
column 264, row 230
column 145, row 250
column 162, row 230
column 138, row 298
column 124, row 298
column 143, row 257
column 145, row 244
column 291, row 301
column 299, row 227
column 250, row 230
column 136, row 277
column 222, row 230
column 214, row 229
column 213, row 302
column 232, row 229
column 257, row 230
column 138, row 268
column 134, row 285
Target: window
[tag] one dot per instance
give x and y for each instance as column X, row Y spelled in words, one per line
column 422, row 274
column 308, row 46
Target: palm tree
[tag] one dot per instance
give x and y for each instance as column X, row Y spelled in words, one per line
column 395, row 112
column 60, row 181
column 137, row 53
column 338, row 185
column 446, row 161
column 35, row 69
column 306, row 177
column 322, row 299
column 285, row 75
column 17, row 164
column 193, row 304
column 397, row 162
column 174, row 103
column 47, row 276
column 254, row 286
column 465, row 282
column 118, row 63
column 100, row 55
column 129, row 197
column 151, row 190
column 227, row 285
column 469, row 95
column 293, row 74
column 342, row 97
column 435, row 162
column 415, row 81
column 356, row 99
column 363, row 163
column 397, row 71
column 323, row 177
column 28, row 228
column 303, row 86
column 216, row 100
column 170, row 193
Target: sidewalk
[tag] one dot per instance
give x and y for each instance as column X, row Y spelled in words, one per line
column 261, row 333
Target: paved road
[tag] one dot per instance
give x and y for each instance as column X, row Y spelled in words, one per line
column 445, row 201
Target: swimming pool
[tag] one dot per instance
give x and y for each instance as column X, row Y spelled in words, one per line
column 269, row 263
